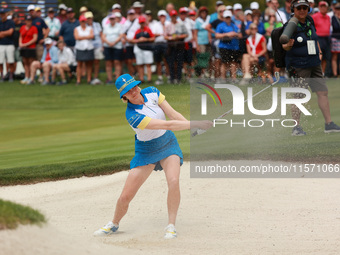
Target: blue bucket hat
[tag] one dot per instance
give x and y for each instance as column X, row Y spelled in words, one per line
column 124, row 83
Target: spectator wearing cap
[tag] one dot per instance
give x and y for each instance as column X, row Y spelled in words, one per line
column 280, row 16
column 38, row 11
column 192, row 15
column 82, row 10
column 229, row 35
column 254, row 6
column 248, row 17
column 43, row 30
column 129, row 28
column 161, row 46
column 322, row 23
column 169, row 7
column 175, row 33
column 6, row 44
column 49, row 58
column 143, row 39
column 336, row 40
column 62, row 13
column 116, row 8
column 97, row 44
column 241, row 16
column 256, row 16
column 53, row 24
column 27, row 42
column 112, row 37
column 332, row 9
column 236, row 8
column 84, row 35
column 138, row 7
column 188, row 47
column 214, row 15
column 66, row 33
column 66, row 63
column 214, row 42
column 286, row 9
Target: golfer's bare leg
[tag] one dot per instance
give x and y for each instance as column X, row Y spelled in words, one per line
column 171, row 166
column 135, row 179
column 324, row 105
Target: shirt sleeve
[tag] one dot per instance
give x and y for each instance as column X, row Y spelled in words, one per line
column 137, row 120
column 150, row 33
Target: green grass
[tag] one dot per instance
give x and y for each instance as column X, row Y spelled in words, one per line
column 56, row 132
column 12, row 214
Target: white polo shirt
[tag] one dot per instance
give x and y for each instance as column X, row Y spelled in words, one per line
column 139, row 116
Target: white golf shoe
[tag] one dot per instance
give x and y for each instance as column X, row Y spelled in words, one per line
column 108, row 229
column 170, row 232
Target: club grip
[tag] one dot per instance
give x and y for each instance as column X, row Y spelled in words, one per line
column 198, row 132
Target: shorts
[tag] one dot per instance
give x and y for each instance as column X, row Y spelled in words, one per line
column 205, row 48
column 28, row 53
column 262, row 60
column 160, row 52
column 113, row 54
column 40, row 51
column 229, row 55
column 73, row 68
column 313, row 78
column 85, row 55
column 98, row 54
column 128, row 53
column 143, row 57
column 335, row 45
column 325, row 42
column 7, row 52
column 188, row 53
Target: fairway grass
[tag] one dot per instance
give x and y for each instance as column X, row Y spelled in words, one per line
column 57, row 132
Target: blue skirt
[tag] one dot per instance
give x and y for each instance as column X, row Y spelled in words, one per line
column 151, row 152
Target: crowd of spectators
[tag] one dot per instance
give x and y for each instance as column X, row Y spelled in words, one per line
column 231, row 42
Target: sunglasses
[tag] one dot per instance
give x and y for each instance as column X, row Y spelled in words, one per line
column 302, row 7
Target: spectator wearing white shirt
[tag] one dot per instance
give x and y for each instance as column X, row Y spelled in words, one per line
column 53, row 24
column 113, row 48
column 116, row 8
column 66, row 63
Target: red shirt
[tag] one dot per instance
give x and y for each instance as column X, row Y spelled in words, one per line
column 147, row 33
column 27, row 35
column 258, row 47
column 322, row 24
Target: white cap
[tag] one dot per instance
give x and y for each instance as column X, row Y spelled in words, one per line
column 116, row 6
column 161, row 13
column 48, row 40
column 227, row 14
column 30, row 7
column 62, row 6
column 118, row 15
column 267, row 1
column 131, row 11
column 137, row 4
column 248, row 12
column 311, row 1
column 254, row 6
column 237, row 7
column 228, row 7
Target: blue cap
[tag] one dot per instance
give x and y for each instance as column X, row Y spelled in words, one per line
column 124, row 83
column 334, row 2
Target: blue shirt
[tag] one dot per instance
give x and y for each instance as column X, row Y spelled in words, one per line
column 66, row 32
column 213, row 17
column 4, row 26
column 233, row 44
column 298, row 56
column 53, row 54
column 40, row 24
column 260, row 27
column 202, row 34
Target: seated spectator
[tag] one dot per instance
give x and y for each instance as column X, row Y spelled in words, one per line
column 83, row 35
column 229, row 35
column 143, row 40
column 53, row 24
column 27, row 42
column 256, row 51
column 66, row 63
column 113, row 48
column 49, row 58
column 6, row 44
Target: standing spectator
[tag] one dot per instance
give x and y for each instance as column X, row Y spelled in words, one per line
column 130, row 27
column 161, row 46
column 336, row 39
column 16, row 34
column 53, row 24
column 37, row 11
column 144, row 57
column 169, row 7
column 49, row 58
column 6, row 44
column 66, row 33
column 82, row 11
column 83, row 35
column 116, row 8
column 228, row 33
column 188, row 49
column 97, row 44
column 112, row 37
column 286, row 10
column 27, row 42
column 62, row 15
column 43, row 30
column 237, row 8
column 256, row 15
column 214, row 16
column 175, row 33
column 322, row 24
column 66, row 63
column 138, row 7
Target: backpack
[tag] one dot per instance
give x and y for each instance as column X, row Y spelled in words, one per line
column 279, row 53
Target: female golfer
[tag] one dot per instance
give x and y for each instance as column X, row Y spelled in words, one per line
column 156, row 147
